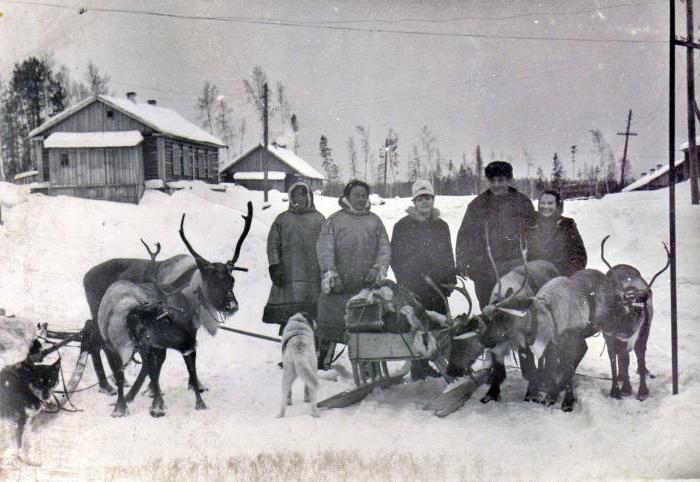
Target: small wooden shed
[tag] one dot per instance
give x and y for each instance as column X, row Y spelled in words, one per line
column 106, row 148
column 248, row 169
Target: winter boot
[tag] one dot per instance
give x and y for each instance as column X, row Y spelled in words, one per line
column 326, row 350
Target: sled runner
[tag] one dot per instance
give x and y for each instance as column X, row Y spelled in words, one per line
column 377, row 332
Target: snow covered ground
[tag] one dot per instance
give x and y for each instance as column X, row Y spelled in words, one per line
column 48, row 243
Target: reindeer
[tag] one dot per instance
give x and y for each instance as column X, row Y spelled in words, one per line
column 515, row 286
column 150, row 316
column 197, row 277
column 625, row 320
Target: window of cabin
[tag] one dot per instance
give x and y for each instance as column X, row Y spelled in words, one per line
column 205, row 163
column 65, row 159
column 177, row 159
column 110, row 114
column 190, row 161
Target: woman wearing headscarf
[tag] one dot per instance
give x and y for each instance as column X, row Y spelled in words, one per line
column 353, row 252
column 555, row 238
column 291, row 255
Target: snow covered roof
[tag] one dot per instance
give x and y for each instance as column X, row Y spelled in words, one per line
column 24, row 174
column 93, row 139
column 644, row 180
column 684, row 146
column 158, row 118
column 258, row 176
column 285, row 156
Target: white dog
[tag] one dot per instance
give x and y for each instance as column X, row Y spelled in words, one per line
column 299, row 360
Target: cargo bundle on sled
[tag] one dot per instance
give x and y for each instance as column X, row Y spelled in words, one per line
column 387, row 324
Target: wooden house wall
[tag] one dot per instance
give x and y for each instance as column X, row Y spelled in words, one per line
column 114, row 173
column 150, row 158
column 257, row 185
column 187, row 160
column 256, row 162
column 93, row 118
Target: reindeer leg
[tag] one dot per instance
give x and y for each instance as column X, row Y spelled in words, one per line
column 96, row 344
column 530, row 373
column 572, row 355
column 612, row 354
column 623, row 374
column 115, row 363
column 190, row 362
column 497, row 376
column 552, row 374
column 194, row 382
column 156, row 357
column 640, row 350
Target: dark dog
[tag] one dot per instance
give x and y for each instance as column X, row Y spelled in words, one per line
column 24, row 389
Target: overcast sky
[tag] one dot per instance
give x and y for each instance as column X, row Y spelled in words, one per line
column 482, row 79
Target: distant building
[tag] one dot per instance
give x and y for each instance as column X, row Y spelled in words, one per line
column 26, row 177
column 283, row 166
column 106, row 148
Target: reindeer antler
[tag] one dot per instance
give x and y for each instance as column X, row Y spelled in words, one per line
column 602, row 251
column 442, row 296
column 668, row 263
column 463, row 290
column 153, row 255
column 246, row 228
column 490, row 255
column 196, row 256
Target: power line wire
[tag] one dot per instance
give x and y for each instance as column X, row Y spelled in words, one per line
column 286, row 23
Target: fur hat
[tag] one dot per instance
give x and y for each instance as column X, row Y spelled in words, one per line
column 499, row 168
column 421, row 187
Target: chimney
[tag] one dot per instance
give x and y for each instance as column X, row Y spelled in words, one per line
column 642, row 174
column 651, row 171
column 131, row 96
column 658, row 166
column 152, row 102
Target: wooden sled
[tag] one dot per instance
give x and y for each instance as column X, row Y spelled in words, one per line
column 369, row 356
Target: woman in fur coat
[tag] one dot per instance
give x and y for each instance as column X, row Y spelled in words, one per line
column 291, row 254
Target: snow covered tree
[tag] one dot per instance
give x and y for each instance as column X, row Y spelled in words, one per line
column 557, row 176
column 33, row 94
column 606, row 159
column 97, row 83
column 241, row 135
column 368, row 159
column 327, row 162
column 479, row 168
column 541, row 182
column 255, row 89
column 283, row 107
column 223, row 118
column 206, row 104
column 294, row 123
column 352, row 155
column 414, row 168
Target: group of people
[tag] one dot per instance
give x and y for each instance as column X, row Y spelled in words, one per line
column 317, row 264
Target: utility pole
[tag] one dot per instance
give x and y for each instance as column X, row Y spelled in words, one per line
column 627, row 135
column 692, row 147
column 573, row 163
column 265, row 156
column 673, row 41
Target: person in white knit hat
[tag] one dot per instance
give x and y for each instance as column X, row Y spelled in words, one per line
column 421, row 245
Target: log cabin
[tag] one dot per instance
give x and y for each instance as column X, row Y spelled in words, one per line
column 106, row 147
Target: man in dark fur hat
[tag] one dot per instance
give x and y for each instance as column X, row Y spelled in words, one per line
column 506, row 212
